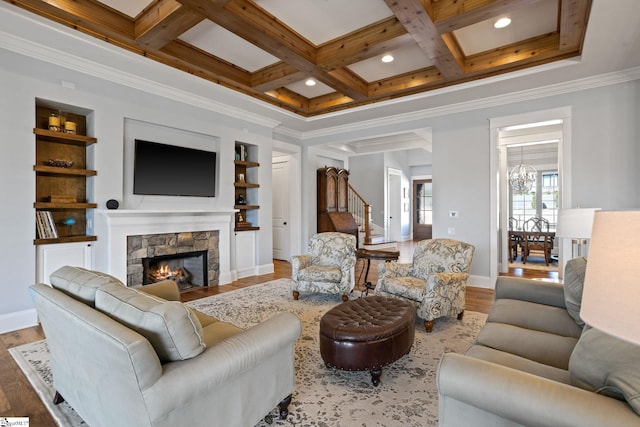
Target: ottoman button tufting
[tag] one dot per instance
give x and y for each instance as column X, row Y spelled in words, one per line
column 367, row 334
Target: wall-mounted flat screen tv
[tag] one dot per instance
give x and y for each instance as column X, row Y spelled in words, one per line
column 169, row 170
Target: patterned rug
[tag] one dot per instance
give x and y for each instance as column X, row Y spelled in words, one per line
column 407, row 394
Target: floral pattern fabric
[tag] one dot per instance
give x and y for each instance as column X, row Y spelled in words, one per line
column 328, row 267
column 436, row 280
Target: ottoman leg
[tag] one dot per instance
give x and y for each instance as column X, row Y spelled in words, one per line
column 375, row 376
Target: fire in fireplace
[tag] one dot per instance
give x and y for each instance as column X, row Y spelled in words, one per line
column 188, row 270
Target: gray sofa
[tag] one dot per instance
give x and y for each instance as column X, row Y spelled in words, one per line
column 534, row 363
column 122, row 357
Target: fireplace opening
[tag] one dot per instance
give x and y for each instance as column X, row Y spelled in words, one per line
column 189, row 270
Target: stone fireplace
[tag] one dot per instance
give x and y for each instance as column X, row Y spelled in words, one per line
column 181, row 231
column 189, row 258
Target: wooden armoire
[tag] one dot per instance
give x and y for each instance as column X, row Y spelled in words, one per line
column 333, row 201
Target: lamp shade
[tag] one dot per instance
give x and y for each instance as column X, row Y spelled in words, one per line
column 611, row 294
column 575, row 223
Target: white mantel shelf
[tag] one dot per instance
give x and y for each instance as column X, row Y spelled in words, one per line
column 118, row 224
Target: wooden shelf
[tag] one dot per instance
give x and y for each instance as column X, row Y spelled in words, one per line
column 65, row 138
column 54, row 170
column 246, row 163
column 246, row 207
column 54, row 205
column 66, row 239
column 241, row 184
column 246, row 228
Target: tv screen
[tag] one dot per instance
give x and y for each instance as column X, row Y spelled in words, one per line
column 169, row 170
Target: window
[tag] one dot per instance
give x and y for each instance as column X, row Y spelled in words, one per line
column 541, row 201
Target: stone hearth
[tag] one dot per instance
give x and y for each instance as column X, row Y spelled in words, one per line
column 151, row 245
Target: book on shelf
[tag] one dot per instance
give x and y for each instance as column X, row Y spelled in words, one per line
column 46, row 226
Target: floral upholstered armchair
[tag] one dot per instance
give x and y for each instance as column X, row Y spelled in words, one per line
column 328, row 266
column 435, row 282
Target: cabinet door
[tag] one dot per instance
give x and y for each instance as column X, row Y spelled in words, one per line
column 51, row 257
column 245, row 252
column 343, row 191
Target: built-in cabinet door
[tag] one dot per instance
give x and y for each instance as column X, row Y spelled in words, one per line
column 245, row 251
column 343, row 191
column 51, row 257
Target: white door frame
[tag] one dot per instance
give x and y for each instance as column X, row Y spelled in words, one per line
column 498, row 173
column 281, row 198
column 393, row 209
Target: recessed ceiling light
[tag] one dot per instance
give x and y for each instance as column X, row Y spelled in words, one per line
column 310, row 82
column 387, row 58
column 502, row 22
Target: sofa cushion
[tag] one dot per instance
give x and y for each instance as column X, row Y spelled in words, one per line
column 213, row 330
column 520, row 363
column 542, row 347
column 538, row 317
column 81, row 283
column 172, row 329
column 573, row 282
column 607, row 365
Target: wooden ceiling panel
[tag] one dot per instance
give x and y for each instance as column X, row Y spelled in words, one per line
column 424, row 24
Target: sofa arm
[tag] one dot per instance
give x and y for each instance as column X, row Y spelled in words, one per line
column 221, row 363
column 476, row 392
column 393, row 269
column 538, row 291
column 165, row 289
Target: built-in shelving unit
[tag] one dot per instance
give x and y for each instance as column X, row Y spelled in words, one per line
column 61, row 176
column 246, row 188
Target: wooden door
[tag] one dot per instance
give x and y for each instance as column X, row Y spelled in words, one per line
column 422, row 209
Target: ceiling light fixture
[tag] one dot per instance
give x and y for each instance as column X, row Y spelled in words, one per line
column 522, row 177
column 310, row 82
column 387, row 58
column 502, row 22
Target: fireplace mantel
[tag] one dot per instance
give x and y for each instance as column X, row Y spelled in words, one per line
column 116, row 225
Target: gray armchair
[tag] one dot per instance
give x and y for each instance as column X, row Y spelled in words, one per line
column 328, row 267
column 435, row 282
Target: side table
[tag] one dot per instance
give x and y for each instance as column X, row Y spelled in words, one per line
column 368, row 255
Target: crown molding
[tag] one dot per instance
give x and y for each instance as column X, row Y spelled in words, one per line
column 52, row 55
column 592, row 82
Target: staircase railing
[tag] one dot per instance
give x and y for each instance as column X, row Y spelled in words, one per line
column 361, row 211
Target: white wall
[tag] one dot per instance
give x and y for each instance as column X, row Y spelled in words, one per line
column 24, row 79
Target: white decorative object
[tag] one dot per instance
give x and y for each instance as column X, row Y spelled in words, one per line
column 576, row 224
column 611, row 294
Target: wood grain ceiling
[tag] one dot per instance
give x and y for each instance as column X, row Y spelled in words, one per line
column 431, row 25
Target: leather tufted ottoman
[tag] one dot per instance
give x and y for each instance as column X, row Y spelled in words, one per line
column 367, row 334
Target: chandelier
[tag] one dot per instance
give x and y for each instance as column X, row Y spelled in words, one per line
column 522, row 177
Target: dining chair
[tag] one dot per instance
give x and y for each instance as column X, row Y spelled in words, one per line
column 515, row 238
column 537, row 238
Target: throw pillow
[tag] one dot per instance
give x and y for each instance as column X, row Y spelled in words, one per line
column 172, row 329
column 607, row 365
column 573, row 282
column 80, row 283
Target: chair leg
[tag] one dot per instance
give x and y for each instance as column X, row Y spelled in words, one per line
column 460, row 315
column 345, row 298
column 58, row 399
column 428, row 325
column 296, row 294
column 284, row 407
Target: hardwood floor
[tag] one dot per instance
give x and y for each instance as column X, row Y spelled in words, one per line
column 18, row 399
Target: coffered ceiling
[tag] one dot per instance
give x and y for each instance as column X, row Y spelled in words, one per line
column 268, row 49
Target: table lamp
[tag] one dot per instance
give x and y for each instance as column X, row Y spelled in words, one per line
column 611, row 294
column 575, row 224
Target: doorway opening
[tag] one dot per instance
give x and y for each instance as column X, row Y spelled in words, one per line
column 540, row 139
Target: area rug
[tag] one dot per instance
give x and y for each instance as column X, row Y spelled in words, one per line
column 407, row 394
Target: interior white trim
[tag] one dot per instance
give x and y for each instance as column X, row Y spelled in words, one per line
column 496, row 257
column 118, row 224
column 18, row 320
